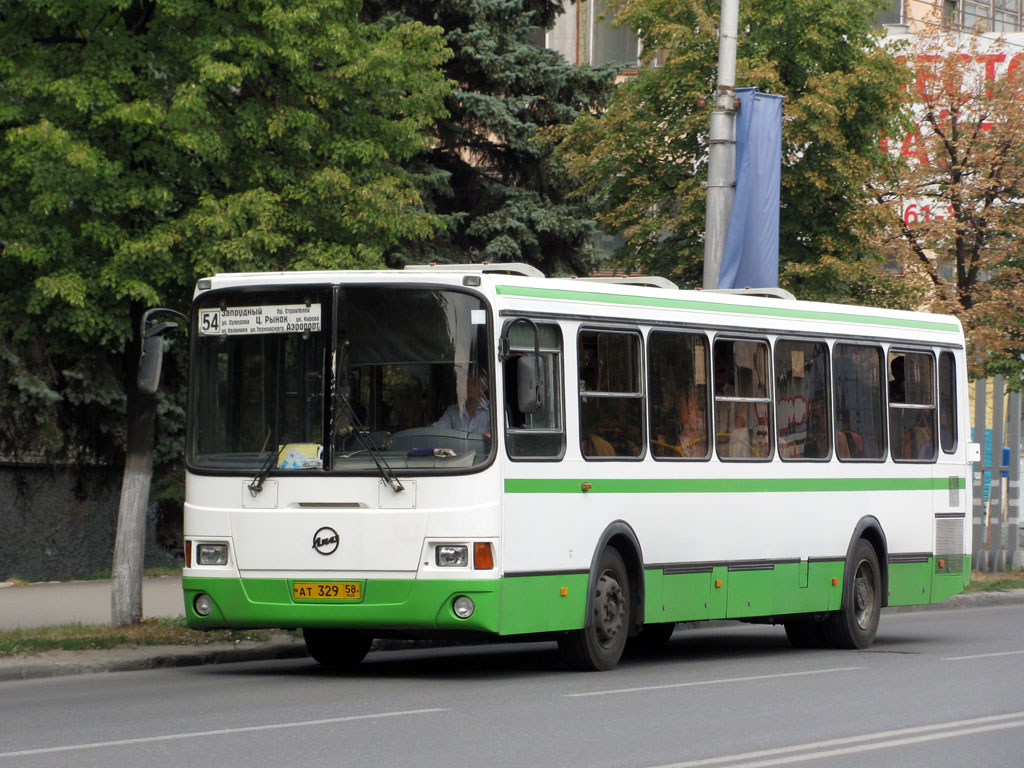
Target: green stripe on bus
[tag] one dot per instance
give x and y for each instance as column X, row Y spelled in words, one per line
column 708, row 306
column 729, row 485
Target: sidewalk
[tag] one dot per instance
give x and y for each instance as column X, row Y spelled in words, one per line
column 88, row 602
column 85, row 602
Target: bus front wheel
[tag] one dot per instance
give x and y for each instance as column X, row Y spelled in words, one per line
column 599, row 645
column 856, row 623
column 336, row 648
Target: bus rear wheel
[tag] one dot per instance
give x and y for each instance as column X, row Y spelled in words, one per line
column 599, row 645
column 856, row 623
column 336, row 648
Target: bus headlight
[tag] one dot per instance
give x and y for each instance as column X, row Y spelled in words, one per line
column 452, row 556
column 212, row 554
column 203, row 604
column 463, row 607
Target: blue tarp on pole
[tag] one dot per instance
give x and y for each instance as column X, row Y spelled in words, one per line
column 751, row 256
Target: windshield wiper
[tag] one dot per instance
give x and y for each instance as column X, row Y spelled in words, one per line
column 363, row 436
column 257, row 482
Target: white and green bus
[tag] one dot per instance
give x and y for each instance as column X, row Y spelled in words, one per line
column 480, row 451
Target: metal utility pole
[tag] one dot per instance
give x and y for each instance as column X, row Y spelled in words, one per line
column 721, row 184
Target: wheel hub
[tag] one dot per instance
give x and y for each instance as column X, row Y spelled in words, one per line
column 863, row 597
column 609, row 608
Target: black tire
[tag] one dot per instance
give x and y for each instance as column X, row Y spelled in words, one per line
column 805, row 633
column 336, row 648
column 651, row 639
column 599, row 645
column 855, row 624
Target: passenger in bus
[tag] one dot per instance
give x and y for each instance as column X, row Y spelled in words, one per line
column 725, row 385
column 817, row 444
column 854, row 441
column 918, row 443
column 595, row 445
column 474, row 415
column 406, row 405
column 693, row 430
column 897, row 384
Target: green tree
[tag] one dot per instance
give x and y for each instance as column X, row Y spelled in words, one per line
column 954, row 192
column 492, row 172
column 144, row 143
column 645, row 159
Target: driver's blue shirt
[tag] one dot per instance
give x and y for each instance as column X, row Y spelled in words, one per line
column 480, row 421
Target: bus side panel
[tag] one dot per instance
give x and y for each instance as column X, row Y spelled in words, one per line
column 543, row 603
column 806, row 587
column 910, row 583
column 677, row 597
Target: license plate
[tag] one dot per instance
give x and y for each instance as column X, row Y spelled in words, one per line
column 327, row 590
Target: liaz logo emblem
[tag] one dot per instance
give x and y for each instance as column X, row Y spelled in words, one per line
column 325, row 541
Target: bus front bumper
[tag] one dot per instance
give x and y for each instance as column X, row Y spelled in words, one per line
column 383, row 604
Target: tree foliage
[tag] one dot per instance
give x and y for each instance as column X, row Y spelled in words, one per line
column 645, row 159
column 491, row 172
column 144, row 143
column 954, row 192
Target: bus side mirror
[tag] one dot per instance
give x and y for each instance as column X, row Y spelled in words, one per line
column 530, row 383
column 150, row 365
column 151, row 361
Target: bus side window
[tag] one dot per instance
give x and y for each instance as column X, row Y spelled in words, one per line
column 539, row 435
column 802, row 402
column 743, row 410
column 912, row 406
column 677, row 381
column 858, row 381
column 611, row 395
column 947, row 402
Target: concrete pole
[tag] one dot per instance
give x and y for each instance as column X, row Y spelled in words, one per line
column 1013, row 489
column 996, row 524
column 979, row 551
column 721, row 184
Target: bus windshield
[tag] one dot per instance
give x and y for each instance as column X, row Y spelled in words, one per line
column 390, row 372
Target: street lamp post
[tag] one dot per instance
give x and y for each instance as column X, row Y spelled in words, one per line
column 721, row 183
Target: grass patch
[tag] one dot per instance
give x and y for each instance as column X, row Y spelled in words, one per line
column 90, row 637
column 995, row 582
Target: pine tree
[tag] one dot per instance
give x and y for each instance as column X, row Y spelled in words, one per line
column 492, row 173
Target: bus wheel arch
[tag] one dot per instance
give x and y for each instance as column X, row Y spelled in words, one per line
column 614, row 608
column 621, row 537
column 869, row 529
column 865, row 586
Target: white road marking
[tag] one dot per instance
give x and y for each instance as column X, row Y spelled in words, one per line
column 714, row 682
column 852, row 744
column 982, row 656
column 220, row 732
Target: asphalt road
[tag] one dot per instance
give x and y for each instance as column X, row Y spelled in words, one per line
column 938, row 688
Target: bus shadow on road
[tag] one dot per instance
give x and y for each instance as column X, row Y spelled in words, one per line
column 507, row 660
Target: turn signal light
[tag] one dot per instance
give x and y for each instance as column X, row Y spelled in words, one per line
column 483, row 558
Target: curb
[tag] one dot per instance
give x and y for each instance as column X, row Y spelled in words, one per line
column 65, row 663
column 971, row 600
